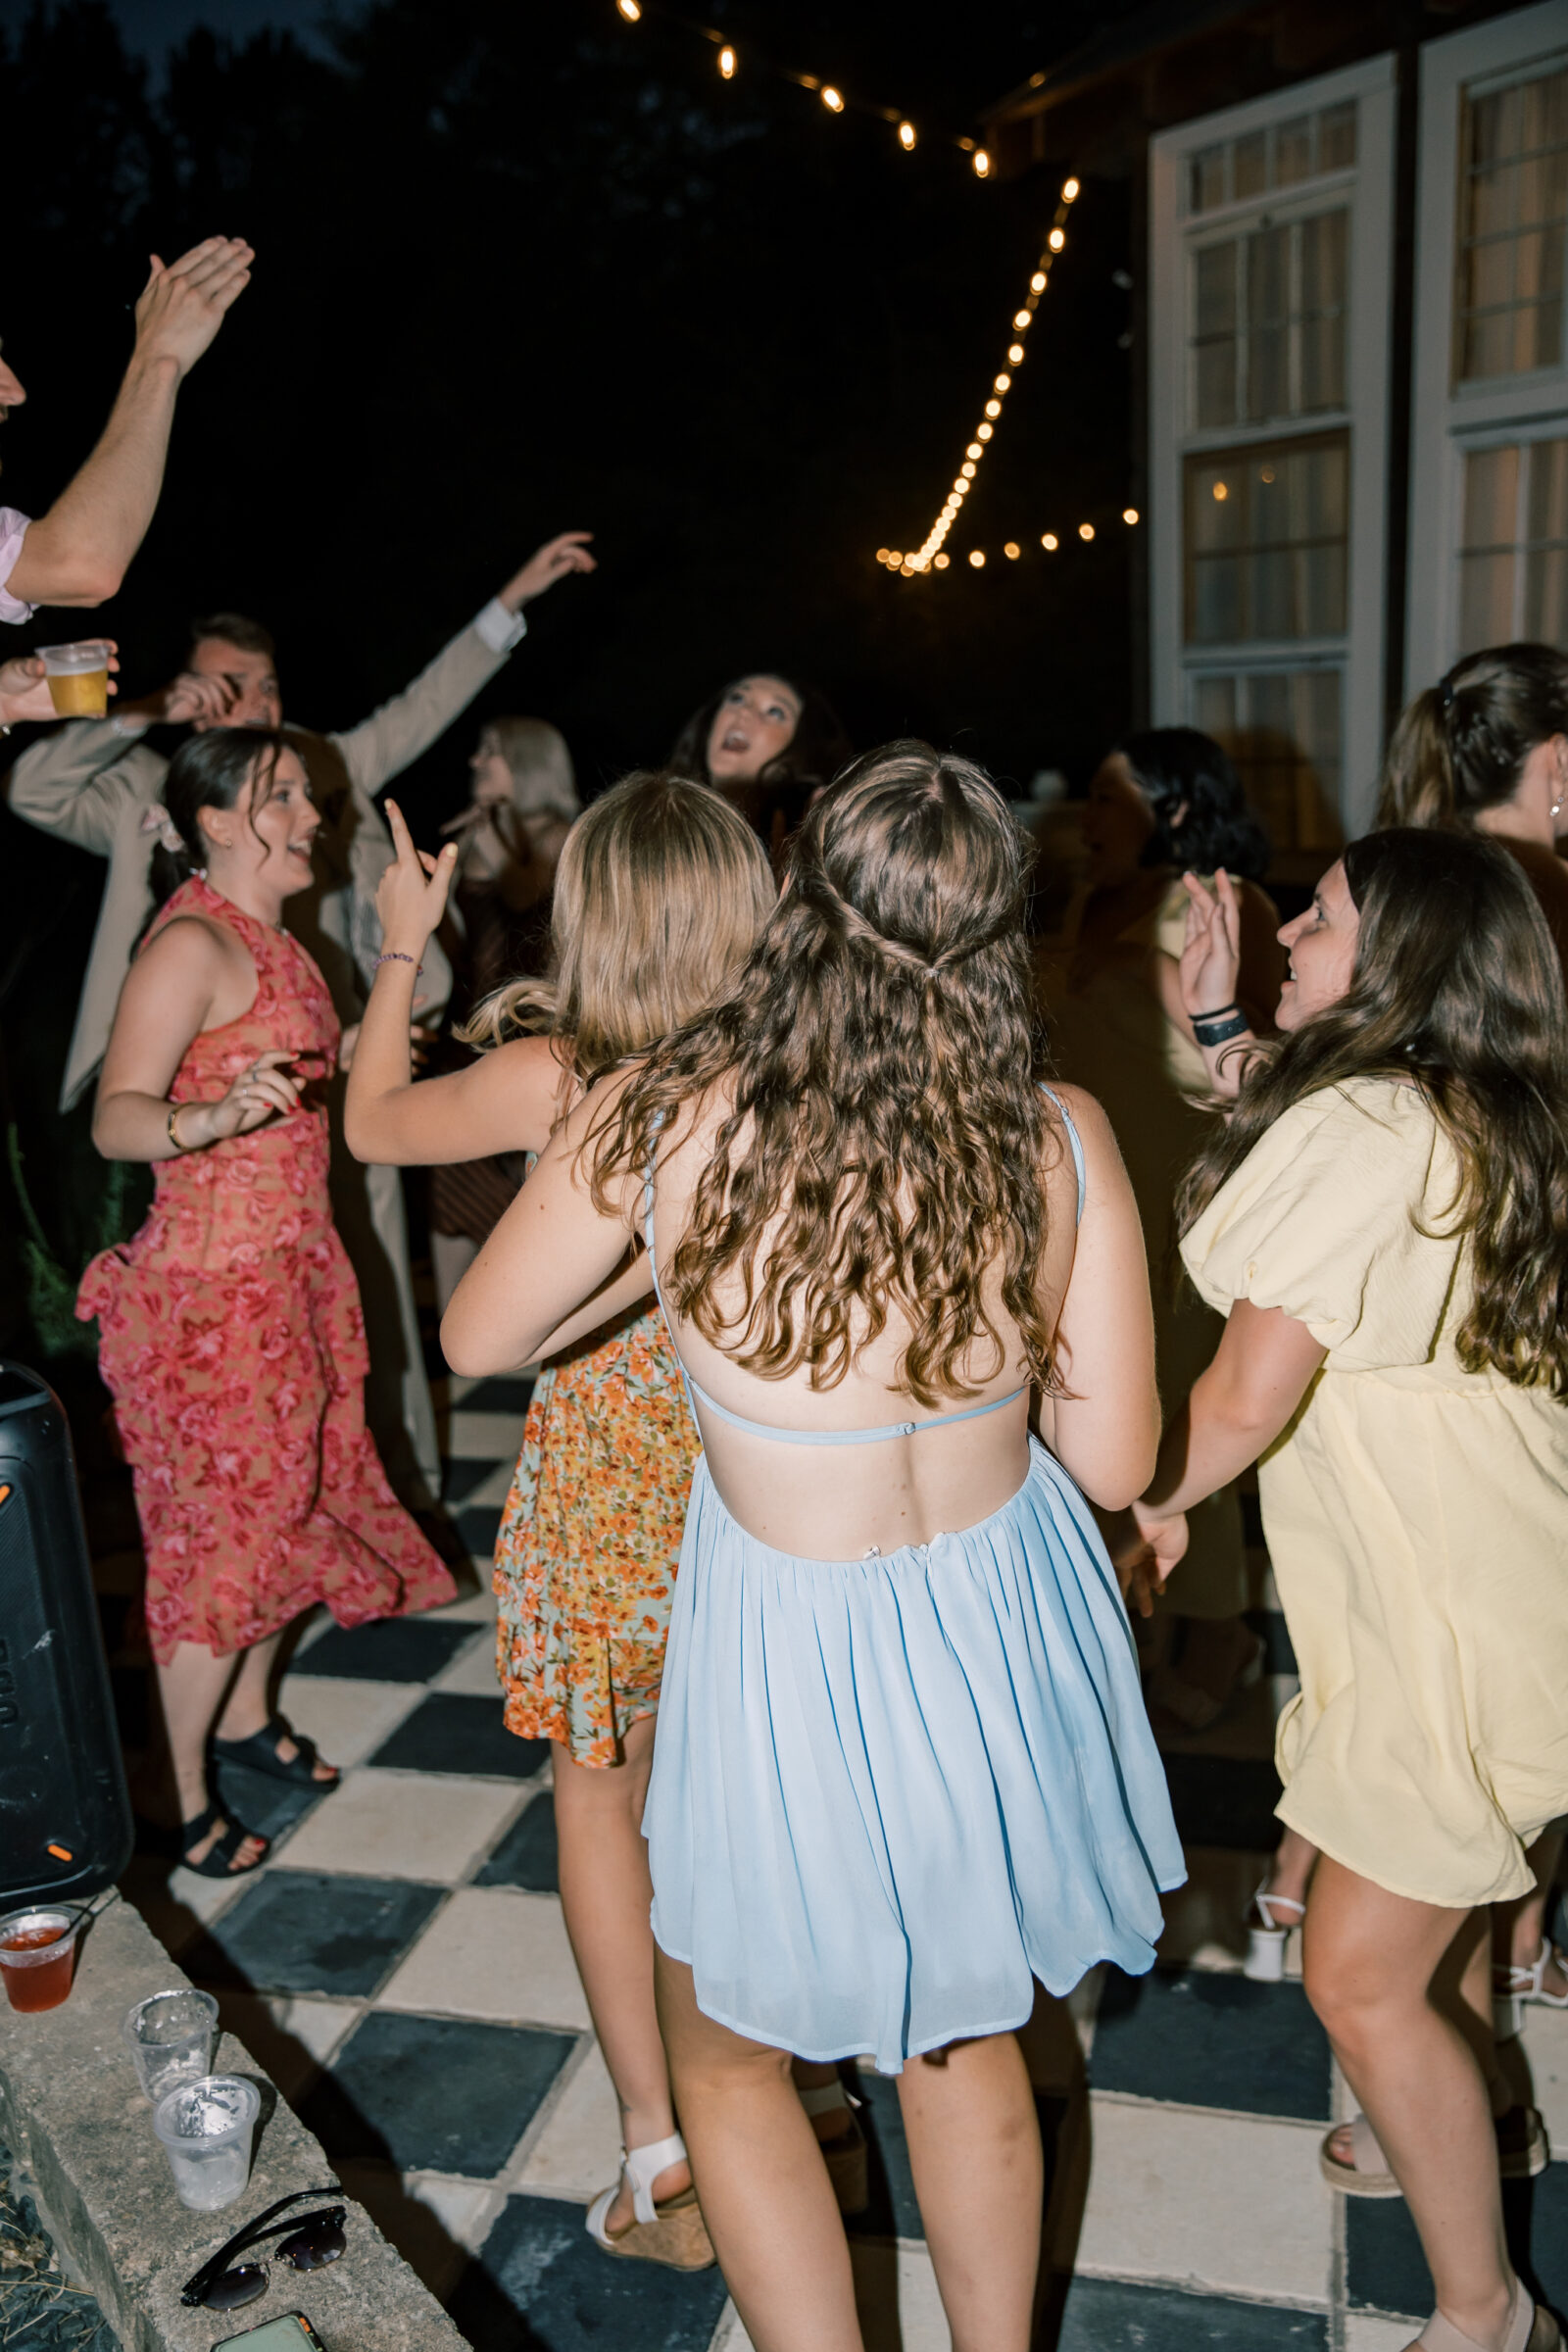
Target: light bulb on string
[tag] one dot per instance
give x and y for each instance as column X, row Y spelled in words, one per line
column 993, row 408
column 1003, row 383
column 1015, row 353
column 942, row 562
column 1021, row 319
column 1129, row 514
column 726, row 63
column 832, row 99
column 1070, row 189
column 977, row 557
column 983, row 432
column 1050, row 541
column 982, row 164
column 968, row 469
column 881, row 554
column 1056, row 239
column 1012, row 551
column 1086, row 530
column 1037, row 284
column 631, row 9
column 907, row 136
column 973, row 450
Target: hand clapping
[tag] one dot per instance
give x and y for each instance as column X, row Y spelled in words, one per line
column 1211, row 955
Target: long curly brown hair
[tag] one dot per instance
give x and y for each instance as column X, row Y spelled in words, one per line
column 878, row 1059
column 1456, row 986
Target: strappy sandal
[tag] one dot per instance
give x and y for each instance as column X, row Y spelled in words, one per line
column 257, row 1752
column 1265, row 1945
column 1523, row 2151
column 846, row 2157
column 1513, row 1987
column 219, row 1860
column 1531, row 2329
column 672, row 2232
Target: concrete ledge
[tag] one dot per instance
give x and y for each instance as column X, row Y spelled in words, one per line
column 74, row 2115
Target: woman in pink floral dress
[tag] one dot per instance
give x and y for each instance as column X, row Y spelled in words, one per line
column 231, row 1337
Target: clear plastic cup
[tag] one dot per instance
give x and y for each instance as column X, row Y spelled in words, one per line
column 205, row 2129
column 37, row 1957
column 172, row 2038
column 78, row 677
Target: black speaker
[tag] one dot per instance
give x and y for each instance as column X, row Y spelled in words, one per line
column 65, row 1812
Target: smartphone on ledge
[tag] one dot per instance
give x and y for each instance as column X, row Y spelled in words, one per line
column 292, row 2332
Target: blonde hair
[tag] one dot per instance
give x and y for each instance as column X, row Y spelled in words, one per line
column 660, row 894
column 542, row 780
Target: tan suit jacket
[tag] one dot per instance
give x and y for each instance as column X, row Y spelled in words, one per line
column 93, row 785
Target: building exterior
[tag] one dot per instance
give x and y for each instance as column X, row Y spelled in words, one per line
column 1353, row 330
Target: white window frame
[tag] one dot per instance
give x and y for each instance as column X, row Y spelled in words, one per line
column 1449, row 420
column 1174, row 233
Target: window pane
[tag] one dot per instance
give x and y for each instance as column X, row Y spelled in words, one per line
column 1336, row 136
column 1486, row 601
column 1514, row 209
column 1491, row 498
column 1282, row 729
column 1548, row 491
column 1293, row 151
column 1268, row 345
column 1547, row 595
column 1249, row 164
column 1206, row 180
column 1214, row 290
column 1266, row 543
column 1324, row 245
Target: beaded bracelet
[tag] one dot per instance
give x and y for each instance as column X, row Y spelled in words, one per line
column 1218, row 1028
column 396, row 956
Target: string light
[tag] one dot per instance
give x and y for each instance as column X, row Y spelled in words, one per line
column 928, row 555
column 1129, row 514
column 977, row 557
column 941, row 562
column 630, row 9
column 1049, row 543
column 982, row 164
column 1086, row 530
column 832, row 99
column 907, row 136
column 726, row 64
column 1012, row 551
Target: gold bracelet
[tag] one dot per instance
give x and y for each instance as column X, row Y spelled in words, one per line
column 175, row 1110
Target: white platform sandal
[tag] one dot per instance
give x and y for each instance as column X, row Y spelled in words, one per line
column 846, row 2158
column 672, row 2232
column 1265, row 1945
column 1513, row 1988
column 1532, row 2328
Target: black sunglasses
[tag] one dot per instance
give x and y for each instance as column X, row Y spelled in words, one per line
column 309, row 2243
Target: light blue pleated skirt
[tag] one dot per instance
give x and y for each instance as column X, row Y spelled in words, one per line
column 888, row 1793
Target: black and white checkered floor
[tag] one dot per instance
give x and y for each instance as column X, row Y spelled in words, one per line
column 400, row 1967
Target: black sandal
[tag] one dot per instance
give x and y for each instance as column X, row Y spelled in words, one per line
column 218, row 1862
column 259, row 1754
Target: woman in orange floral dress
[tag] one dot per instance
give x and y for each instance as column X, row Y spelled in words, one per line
column 660, row 890
column 231, row 1337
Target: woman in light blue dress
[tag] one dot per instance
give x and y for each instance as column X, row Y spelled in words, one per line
column 902, row 1769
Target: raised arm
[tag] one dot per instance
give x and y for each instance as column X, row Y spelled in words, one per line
column 80, row 550
column 77, row 781
column 1106, row 1429
column 551, row 1252
column 1228, row 977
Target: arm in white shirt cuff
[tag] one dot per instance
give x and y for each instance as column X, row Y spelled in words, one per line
column 500, row 629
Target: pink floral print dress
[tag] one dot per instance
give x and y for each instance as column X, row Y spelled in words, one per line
column 233, row 1343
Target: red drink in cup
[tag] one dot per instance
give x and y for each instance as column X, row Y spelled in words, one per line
column 37, row 1955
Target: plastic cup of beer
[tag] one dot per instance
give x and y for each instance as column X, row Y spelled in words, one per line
column 171, row 2036
column 77, row 677
column 205, row 2129
column 37, row 1957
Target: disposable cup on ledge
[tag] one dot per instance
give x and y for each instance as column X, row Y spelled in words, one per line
column 172, row 2038
column 37, row 1956
column 205, row 2129
column 78, row 676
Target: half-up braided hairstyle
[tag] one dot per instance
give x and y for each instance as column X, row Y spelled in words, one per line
column 878, row 1059
column 1460, row 746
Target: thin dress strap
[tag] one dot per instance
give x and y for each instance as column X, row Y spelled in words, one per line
column 1077, row 1142
column 797, row 1437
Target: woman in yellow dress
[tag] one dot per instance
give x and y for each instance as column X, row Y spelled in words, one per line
column 1159, row 803
column 1385, row 1222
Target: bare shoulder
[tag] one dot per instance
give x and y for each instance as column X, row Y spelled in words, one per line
column 1084, row 1109
column 192, row 946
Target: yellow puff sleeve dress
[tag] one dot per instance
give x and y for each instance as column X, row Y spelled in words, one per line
column 1416, row 1513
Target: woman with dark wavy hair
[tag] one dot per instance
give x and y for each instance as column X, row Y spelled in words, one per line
column 1163, row 803
column 1384, row 1219
column 902, row 1768
column 767, row 743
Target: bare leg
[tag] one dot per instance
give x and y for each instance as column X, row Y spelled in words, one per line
column 974, row 2143
column 190, row 1688
column 605, row 1894
column 767, row 2198
column 1373, row 1964
column 249, row 1705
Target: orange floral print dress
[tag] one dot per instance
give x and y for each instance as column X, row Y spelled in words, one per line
column 233, row 1343
column 590, row 1538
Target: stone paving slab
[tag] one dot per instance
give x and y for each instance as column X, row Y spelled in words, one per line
column 72, row 2113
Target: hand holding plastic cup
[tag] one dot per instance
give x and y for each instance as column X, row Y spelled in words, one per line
column 172, row 2038
column 37, row 1957
column 77, row 677
column 206, row 2128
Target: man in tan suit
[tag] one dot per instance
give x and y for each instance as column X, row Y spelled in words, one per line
column 97, row 784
